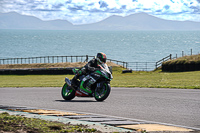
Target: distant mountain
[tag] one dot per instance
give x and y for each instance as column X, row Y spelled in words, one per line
column 139, row 21
column 13, row 20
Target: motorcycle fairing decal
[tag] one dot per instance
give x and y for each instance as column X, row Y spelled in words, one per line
column 81, row 93
column 85, row 89
column 99, row 72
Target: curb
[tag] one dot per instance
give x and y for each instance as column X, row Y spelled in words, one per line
column 99, row 122
column 62, row 118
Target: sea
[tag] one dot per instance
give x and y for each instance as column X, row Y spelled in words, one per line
column 128, row 46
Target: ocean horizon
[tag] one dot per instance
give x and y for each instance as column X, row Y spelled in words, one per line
column 128, row 46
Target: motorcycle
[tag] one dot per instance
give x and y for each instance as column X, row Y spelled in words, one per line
column 95, row 84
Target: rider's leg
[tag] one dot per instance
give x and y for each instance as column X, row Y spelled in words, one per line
column 78, row 74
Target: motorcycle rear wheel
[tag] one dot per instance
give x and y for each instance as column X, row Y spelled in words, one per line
column 67, row 92
column 102, row 93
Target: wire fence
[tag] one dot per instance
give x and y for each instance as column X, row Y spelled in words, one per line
column 141, row 66
column 54, row 59
column 183, row 53
column 46, row 59
column 135, row 66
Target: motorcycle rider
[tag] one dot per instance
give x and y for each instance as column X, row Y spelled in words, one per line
column 91, row 66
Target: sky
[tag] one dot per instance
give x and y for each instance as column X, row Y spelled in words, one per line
column 90, row 11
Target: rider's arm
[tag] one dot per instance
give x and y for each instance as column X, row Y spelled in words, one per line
column 90, row 65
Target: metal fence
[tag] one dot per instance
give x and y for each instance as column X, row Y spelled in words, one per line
column 141, row 66
column 170, row 57
column 122, row 63
column 159, row 63
column 54, row 59
column 135, row 66
column 185, row 54
column 46, row 59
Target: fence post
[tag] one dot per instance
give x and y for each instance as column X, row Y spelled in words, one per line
column 156, row 65
column 191, row 51
column 44, row 60
column 170, row 56
column 48, row 59
column 146, row 66
column 136, row 66
column 86, row 58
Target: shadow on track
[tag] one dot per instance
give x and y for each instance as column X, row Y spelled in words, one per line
column 81, row 101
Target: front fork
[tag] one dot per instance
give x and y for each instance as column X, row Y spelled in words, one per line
column 68, row 81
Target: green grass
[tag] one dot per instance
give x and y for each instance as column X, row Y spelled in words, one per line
column 185, row 60
column 157, row 79
column 11, row 123
column 185, row 63
column 32, row 80
column 187, row 80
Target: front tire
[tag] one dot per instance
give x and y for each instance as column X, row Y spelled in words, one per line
column 102, row 93
column 67, row 92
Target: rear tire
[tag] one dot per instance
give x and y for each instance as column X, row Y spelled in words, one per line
column 67, row 92
column 103, row 93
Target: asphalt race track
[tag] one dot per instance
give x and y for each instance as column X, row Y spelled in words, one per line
column 173, row 106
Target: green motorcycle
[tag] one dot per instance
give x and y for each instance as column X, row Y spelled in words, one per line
column 95, row 84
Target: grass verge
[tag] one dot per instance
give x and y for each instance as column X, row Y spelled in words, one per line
column 11, row 123
column 185, row 63
column 157, row 79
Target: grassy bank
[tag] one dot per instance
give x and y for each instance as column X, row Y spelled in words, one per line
column 158, row 79
column 17, row 124
column 185, row 63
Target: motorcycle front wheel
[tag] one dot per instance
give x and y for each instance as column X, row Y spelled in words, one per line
column 67, row 92
column 101, row 94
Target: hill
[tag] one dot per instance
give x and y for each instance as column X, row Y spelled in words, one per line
column 13, row 20
column 139, row 21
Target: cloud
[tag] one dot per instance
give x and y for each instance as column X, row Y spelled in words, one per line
column 90, row 11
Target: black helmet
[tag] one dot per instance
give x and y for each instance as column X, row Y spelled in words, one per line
column 101, row 58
